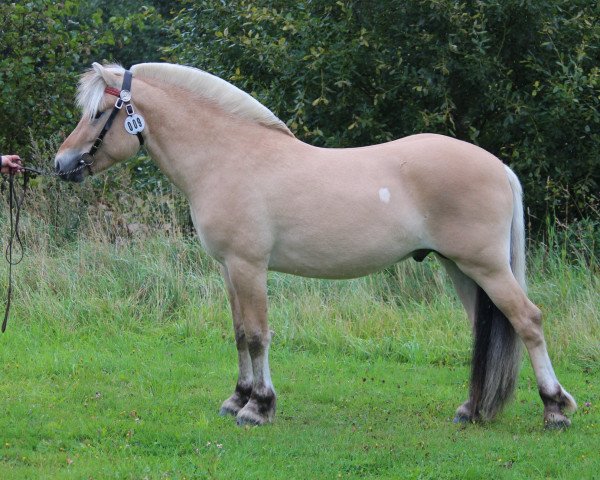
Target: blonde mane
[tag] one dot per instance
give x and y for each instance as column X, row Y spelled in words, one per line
column 90, row 90
column 227, row 96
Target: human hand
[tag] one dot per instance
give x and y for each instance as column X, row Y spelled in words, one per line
column 11, row 164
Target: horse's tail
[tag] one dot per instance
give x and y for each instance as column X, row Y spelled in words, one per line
column 497, row 350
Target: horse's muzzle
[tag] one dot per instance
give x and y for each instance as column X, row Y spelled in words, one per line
column 69, row 167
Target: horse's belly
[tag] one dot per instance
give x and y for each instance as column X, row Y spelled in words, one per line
column 332, row 271
column 340, row 256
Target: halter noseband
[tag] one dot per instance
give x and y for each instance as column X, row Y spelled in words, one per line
column 134, row 124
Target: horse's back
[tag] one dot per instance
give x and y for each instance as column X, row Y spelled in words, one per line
column 348, row 212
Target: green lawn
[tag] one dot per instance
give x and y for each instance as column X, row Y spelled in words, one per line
column 141, row 404
column 116, row 361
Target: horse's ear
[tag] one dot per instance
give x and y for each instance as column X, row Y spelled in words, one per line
column 110, row 78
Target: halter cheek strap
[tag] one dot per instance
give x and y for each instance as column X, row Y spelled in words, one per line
column 124, row 98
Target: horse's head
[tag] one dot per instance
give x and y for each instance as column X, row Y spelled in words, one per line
column 106, row 133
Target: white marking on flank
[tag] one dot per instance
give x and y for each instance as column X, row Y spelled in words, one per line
column 384, row 195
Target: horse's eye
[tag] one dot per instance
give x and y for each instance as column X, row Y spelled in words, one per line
column 98, row 115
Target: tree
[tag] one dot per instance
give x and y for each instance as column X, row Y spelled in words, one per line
column 45, row 47
column 519, row 78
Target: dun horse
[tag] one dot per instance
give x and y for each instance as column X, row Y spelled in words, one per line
column 263, row 200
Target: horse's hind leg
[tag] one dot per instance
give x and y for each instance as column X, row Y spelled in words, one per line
column 464, row 286
column 249, row 284
column 243, row 388
column 466, row 290
column 506, row 294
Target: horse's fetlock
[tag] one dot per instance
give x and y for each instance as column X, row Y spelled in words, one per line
column 243, row 390
column 553, row 398
column 265, row 401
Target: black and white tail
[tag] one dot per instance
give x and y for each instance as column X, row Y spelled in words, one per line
column 497, row 349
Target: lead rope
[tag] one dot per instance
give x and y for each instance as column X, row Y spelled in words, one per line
column 134, row 125
column 14, row 206
column 15, row 202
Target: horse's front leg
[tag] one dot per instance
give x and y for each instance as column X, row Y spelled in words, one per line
column 243, row 388
column 248, row 281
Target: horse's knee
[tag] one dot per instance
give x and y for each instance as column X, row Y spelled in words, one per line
column 257, row 341
column 240, row 337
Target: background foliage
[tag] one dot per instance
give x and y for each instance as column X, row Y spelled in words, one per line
column 520, row 78
column 117, row 310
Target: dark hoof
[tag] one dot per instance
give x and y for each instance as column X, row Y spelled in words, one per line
column 250, row 415
column 556, row 421
column 231, row 406
column 252, row 420
column 224, row 411
column 259, row 410
column 557, row 425
column 464, row 414
column 462, row 419
column 236, row 402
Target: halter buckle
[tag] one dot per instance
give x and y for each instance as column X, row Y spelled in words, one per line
column 119, row 103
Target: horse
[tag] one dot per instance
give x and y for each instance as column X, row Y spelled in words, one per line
column 261, row 199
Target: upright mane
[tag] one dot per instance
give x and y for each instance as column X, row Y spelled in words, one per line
column 227, row 96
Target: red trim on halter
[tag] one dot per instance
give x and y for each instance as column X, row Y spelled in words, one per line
column 112, row 91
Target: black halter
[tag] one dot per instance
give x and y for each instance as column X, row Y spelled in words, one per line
column 124, row 98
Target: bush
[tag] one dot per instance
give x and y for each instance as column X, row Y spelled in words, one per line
column 519, row 78
column 45, row 47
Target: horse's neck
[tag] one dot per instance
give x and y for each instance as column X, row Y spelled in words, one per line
column 190, row 141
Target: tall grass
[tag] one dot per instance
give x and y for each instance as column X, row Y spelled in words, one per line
column 102, row 256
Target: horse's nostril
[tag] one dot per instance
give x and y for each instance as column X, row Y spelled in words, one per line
column 57, row 167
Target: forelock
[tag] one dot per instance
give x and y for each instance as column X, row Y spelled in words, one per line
column 90, row 90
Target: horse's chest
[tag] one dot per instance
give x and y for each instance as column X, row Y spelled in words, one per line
column 209, row 237
column 226, row 234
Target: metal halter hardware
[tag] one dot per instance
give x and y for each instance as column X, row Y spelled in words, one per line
column 124, row 98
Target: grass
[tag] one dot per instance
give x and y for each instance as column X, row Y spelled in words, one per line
column 117, row 358
column 79, row 404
